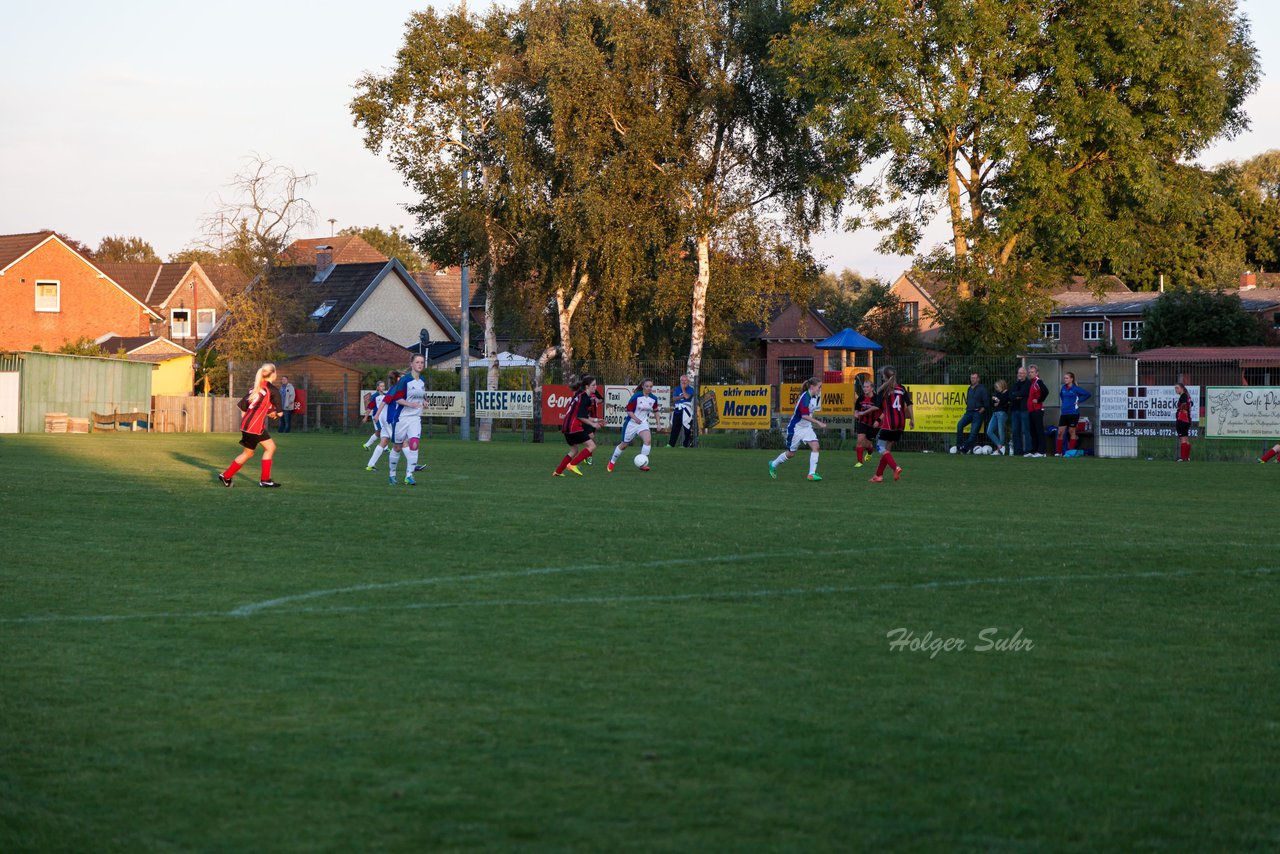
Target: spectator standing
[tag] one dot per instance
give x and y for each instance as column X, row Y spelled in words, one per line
column 1071, row 396
column 977, row 404
column 998, row 428
column 1019, row 425
column 682, row 411
column 1183, row 423
column 1037, row 392
column 288, row 397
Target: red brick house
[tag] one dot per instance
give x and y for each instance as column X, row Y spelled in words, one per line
column 184, row 295
column 918, row 292
column 50, row 295
column 786, row 344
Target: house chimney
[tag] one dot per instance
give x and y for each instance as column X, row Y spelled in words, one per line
column 324, row 263
column 1248, row 281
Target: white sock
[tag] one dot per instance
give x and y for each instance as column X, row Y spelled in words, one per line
column 377, row 455
column 369, row 442
column 395, row 461
column 781, row 458
column 617, row 452
column 813, row 462
column 645, row 450
column 412, row 456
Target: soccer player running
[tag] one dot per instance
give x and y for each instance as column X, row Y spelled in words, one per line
column 864, row 410
column 578, row 426
column 1071, row 396
column 382, row 431
column 403, row 405
column 800, row 429
column 642, row 404
column 371, row 408
column 1182, row 422
column 263, row 403
column 894, row 402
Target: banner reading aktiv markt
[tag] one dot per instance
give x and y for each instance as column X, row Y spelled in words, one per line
column 938, row 408
column 740, row 407
column 1242, row 412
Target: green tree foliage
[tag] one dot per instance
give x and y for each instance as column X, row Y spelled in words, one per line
column 868, row 306
column 193, row 255
column 82, row 346
column 1034, row 122
column 1255, row 195
column 393, row 243
column 1199, row 318
column 128, row 250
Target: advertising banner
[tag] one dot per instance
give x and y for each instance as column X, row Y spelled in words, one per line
column 615, row 406
column 738, row 407
column 836, row 400
column 555, row 403
column 938, row 408
column 443, row 404
column 504, row 404
column 1242, row 412
column 1144, row 410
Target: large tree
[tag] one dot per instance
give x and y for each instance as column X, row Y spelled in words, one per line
column 392, row 242
column 1028, row 124
column 132, row 250
column 1199, row 318
column 1254, row 192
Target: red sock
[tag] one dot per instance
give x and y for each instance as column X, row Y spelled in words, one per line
column 266, row 469
column 1266, row 458
column 890, row 461
column 1072, row 443
column 582, row 455
column 1057, row 445
column 861, row 451
column 884, row 461
column 1186, row 451
column 563, row 464
column 231, row 470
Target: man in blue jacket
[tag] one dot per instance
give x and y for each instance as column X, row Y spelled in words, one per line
column 977, row 404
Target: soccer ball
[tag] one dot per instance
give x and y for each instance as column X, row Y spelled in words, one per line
column 953, row 449
column 985, row 450
column 641, row 461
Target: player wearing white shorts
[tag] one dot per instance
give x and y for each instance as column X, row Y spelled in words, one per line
column 800, row 428
column 642, row 404
column 403, row 413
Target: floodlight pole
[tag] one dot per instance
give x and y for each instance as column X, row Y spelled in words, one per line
column 465, row 379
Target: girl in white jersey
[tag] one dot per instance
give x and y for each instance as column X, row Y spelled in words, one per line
column 381, row 427
column 371, row 405
column 642, row 404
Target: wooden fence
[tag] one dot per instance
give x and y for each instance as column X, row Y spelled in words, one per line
column 195, row 414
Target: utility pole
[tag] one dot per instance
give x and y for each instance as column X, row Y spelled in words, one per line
column 466, row 337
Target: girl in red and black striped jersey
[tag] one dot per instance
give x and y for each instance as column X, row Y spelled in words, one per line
column 263, row 403
column 894, row 403
column 578, row 427
column 864, row 411
column 1183, row 423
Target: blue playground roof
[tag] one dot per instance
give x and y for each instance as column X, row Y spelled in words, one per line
column 847, row 339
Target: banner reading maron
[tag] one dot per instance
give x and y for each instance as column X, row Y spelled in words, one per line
column 740, row 407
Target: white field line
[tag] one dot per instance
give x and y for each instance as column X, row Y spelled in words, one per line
column 724, row 595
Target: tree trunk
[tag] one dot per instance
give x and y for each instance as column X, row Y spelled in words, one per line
column 564, row 313
column 960, row 241
column 485, row 432
column 538, row 368
column 698, row 325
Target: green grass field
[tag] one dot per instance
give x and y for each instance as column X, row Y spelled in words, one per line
column 693, row 659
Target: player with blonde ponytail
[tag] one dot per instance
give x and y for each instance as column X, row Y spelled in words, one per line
column 262, row 402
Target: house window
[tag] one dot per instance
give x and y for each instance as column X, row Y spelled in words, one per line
column 48, row 296
column 1093, row 330
column 324, row 308
column 180, row 323
column 1131, row 330
column 205, row 319
column 1051, row 331
column 795, row 370
column 913, row 312
column 1275, row 321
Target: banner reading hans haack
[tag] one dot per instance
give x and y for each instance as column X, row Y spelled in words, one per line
column 1144, row 410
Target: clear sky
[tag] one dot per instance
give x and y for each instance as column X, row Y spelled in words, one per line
column 129, row 118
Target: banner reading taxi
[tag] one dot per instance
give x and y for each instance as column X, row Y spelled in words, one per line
column 938, row 408
column 836, row 400
column 615, row 406
column 504, row 404
column 738, row 407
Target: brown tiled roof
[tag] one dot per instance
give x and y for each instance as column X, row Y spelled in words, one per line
column 1088, row 284
column 1247, row 357
column 347, row 249
column 138, row 279
column 162, row 350
column 14, row 246
column 226, row 278
column 350, row 347
column 444, row 287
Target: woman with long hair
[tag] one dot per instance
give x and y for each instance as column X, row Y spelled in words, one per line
column 381, row 429
column 1183, row 423
column 1001, row 402
column 578, row 427
column 894, row 402
column 800, row 429
column 262, row 402
column 1071, row 396
column 864, row 411
column 642, row 404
